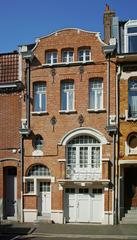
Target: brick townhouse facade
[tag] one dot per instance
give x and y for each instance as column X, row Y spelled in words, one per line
column 10, row 115
column 68, row 128
column 125, row 32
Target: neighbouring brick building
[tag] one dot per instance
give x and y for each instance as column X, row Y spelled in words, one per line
column 68, row 128
column 10, row 115
column 125, row 32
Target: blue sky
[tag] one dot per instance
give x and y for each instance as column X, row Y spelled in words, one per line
column 22, row 21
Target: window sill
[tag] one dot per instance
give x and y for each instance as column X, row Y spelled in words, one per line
column 39, row 113
column 29, row 194
column 67, row 112
column 131, row 119
column 63, row 64
column 96, row 110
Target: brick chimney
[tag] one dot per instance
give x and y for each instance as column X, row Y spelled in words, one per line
column 108, row 15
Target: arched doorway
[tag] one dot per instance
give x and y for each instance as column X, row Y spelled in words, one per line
column 38, row 181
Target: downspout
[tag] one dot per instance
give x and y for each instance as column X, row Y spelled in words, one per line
column 117, row 185
column 28, row 92
column 113, row 177
column 22, row 172
column 108, row 89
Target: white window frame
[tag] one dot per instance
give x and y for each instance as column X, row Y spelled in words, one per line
column 76, row 166
column 129, row 24
column 130, row 90
column 96, row 90
column 69, row 59
column 40, row 93
column 68, row 93
column 50, row 59
column 84, row 55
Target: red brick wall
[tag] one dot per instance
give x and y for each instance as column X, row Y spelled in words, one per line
column 67, row 122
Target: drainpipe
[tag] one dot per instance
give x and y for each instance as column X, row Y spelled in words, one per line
column 28, row 92
column 108, row 89
column 117, row 190
column 22, row 174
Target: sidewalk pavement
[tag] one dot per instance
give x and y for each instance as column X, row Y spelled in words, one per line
column 92, row 231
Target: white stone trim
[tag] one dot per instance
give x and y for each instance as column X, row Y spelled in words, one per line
column 30, row 215
column 62, row 160
column 127, row 161
column 81, row 131
column 105, row 159
column 57, row 216
column 130, row 23
column 108, row 218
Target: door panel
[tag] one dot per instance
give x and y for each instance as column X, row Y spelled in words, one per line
column 44, row 198
column 83, row 203
column 11, row 195
column 130, row 189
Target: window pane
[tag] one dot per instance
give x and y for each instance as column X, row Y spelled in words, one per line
column 83, row 157
column 95, row 157
column 71, row 100
column 43, row 102
column 132, row 44
column 72, row 156
column 36, row 102
column 132, row 30
column 64, row 100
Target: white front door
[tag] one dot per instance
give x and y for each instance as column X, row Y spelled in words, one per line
column 11, row 196
column 44, row 198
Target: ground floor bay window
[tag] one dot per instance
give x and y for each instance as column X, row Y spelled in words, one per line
column 84, row 158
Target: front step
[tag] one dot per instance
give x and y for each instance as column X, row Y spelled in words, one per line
column 130, row 217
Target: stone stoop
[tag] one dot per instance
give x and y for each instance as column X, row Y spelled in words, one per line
column 130, row 216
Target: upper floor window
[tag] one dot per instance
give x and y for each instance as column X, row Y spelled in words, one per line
column 51, row 57
column 84, row 55
column 67, row 56
column 67, row 95
column 132, row 98
column 131, row 37
column 96, row 94
column 40, row 97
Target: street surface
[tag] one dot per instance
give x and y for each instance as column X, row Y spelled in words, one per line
column 44, row 237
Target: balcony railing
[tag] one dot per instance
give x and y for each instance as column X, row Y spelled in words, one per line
column 84, row 172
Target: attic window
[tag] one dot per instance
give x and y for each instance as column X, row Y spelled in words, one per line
column 131, row 37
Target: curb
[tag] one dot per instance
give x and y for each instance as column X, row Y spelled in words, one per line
column 85, row 236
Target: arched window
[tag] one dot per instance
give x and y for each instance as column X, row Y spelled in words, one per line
column 132, row 143
column 132, row 98
column 38, row 142
column 38, row 170
column 84, row 152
